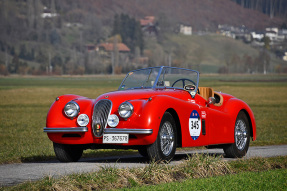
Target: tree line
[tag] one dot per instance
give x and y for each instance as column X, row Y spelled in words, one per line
column 269, row 7
column 130, row 31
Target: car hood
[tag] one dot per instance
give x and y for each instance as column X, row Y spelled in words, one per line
column 125, row 95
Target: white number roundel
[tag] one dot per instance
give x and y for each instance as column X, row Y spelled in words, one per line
column 194, row 125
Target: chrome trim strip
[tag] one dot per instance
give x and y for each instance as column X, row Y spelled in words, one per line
column 66, row 130
column 127, row 131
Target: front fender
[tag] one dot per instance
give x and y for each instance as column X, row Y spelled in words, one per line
column 148, row 113
column 56, row 118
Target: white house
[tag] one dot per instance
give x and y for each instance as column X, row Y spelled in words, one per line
column 48, row 14
column 257, row 36
column 185, row 29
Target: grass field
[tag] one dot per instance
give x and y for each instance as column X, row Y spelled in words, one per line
column 25, row 102
column 267, row 180
column 198, row 172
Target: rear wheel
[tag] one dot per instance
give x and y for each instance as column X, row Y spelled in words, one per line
column 163, row 149
column 241, row 138
column 68, row 153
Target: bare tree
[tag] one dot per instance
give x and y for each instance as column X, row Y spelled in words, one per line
column 115, row 55
column 38, row 7
column 31, row 14
column 272, row 8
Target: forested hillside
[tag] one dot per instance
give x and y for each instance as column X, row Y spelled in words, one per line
column 273, row 8
column 51, row 37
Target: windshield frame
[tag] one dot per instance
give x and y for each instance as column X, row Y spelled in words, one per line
column 155, row 86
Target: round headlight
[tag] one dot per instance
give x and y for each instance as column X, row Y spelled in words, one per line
column 72, row 109
column 113, row 120
column 83, row 120
column 125, row 110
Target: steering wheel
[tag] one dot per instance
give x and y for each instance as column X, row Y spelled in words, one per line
column 183, row 81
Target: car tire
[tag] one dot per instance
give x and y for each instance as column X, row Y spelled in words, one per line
column 163, row 149
column 68, row 153
column 241, row 138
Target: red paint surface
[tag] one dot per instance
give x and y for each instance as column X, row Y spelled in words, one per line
column 219, row 120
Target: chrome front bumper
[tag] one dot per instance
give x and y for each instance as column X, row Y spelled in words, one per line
column 66, row 130
column 106, row 131
column 127, row 131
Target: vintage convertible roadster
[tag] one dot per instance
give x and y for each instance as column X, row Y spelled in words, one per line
column 155, row 110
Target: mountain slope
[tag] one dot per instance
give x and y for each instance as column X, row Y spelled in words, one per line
column 201, row 14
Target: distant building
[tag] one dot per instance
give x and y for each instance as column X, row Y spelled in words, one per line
column 276, row 35
column 257, row 35
column 283, row 32
column 107, row 53
column 73, row 25
column 285, row 57
column 90, row 47
column 148, row 26
column 272, row 29
column 148, row 20
column 185, row 29
column 109, row 47
column 48, row 14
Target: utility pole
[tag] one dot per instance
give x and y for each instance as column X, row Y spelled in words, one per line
column 169, row 59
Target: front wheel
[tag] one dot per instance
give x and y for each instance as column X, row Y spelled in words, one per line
column 163, row 149
column 241, row 137
column 68, row 153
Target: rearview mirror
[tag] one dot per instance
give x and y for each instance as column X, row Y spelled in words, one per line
column 211, row 100
column 189, row 87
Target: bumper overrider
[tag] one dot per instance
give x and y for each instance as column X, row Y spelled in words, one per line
column 106, row 131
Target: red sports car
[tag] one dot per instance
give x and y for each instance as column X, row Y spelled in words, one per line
column 155, row 110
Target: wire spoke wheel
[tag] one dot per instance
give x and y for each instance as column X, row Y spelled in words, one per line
column 240, row 146
column 163, row 149
column 166, row 138
column 240, row 134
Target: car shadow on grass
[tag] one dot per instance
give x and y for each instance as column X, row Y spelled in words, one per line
column 140, row 159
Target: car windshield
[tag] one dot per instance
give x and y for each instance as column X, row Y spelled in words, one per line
column 160, row 77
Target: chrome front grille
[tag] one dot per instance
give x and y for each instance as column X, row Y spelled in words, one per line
column 101, row 113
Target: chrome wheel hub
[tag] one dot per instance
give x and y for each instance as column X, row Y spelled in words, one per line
column 240, row 134
column 166, row 138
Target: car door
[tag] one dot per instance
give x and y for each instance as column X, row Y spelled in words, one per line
column 218, row 126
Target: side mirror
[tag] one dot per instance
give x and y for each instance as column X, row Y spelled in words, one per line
column 211, row 100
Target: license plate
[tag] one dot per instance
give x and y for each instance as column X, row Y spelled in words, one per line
column 116, row 138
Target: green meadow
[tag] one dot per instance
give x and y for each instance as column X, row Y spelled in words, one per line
column 25, row 102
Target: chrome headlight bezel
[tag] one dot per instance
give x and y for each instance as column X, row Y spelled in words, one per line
column 125, row 110
column 72, row 109
column 83, row 120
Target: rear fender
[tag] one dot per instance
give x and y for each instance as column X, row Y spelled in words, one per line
column 234, row 106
